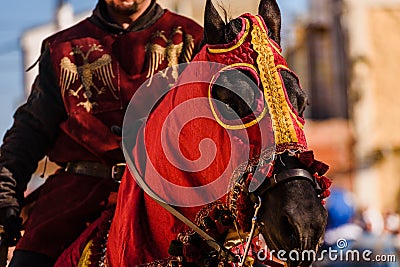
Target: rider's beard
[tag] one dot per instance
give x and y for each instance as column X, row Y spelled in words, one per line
column 126, row 10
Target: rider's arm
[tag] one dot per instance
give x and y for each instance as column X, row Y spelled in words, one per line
column 36, row 124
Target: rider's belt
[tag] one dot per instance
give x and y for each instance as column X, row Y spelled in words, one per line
column 96, row 169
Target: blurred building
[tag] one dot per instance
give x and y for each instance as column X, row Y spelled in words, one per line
column 374, row 50
column 347, row 55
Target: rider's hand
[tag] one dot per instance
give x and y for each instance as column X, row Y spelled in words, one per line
column 11, row 225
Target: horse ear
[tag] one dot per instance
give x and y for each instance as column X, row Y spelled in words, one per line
column 270, row 12
column 213, row 24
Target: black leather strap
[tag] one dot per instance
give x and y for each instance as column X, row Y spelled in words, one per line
column 96, row 169
column 288, row 175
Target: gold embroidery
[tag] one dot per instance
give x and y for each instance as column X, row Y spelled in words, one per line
column 84, row 260
column 274, row 94
column 300, row 124
column 157, row 53
column 282, row 67
column 173, row 52
column 188, row 48
column 260, row 22
column 101, row 68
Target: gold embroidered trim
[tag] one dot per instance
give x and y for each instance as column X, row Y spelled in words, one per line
column 299, row 123
column 279, row 109
column 269, row 41
column 239, row 43
column 84, row 261
column 280, row 66
column 200, row 220
column 220, row 122
column 274, row 46
column 167, row 262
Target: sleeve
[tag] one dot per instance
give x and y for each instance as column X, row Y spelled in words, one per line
column 35, row 127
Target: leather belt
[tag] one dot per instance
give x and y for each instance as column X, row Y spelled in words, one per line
column 96, row 169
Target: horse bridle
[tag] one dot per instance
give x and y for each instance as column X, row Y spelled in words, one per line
column 274, row 179
column 286, row 176
column 269, row 183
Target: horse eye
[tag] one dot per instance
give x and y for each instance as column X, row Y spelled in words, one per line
column 229, row 108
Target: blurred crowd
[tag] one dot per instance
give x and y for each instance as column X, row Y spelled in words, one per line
column 359, row 236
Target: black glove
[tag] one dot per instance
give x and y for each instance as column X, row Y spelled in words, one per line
column 11, row 225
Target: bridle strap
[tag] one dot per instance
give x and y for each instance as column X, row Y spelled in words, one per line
column 288, row 175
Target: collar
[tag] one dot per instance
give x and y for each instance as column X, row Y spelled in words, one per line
column 150, row 16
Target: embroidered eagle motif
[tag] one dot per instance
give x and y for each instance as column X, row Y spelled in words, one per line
column 173, row 48
column 101, row 68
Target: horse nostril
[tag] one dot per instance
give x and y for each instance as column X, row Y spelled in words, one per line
column 289, row 231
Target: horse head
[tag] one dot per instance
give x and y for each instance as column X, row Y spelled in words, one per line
column 291, row 216
column 216, row 31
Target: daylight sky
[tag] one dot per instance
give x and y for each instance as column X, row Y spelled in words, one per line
column 19, row 15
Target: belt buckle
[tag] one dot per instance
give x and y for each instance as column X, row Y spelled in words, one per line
column 114, row 171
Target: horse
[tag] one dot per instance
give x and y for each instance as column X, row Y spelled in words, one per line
column 272, row 186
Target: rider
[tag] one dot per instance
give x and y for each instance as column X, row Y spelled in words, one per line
column 87, row 74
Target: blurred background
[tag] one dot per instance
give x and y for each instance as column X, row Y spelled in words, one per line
column 346, row 53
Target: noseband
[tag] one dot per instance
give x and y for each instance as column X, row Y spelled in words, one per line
column 272, row 180
column 286, row 176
